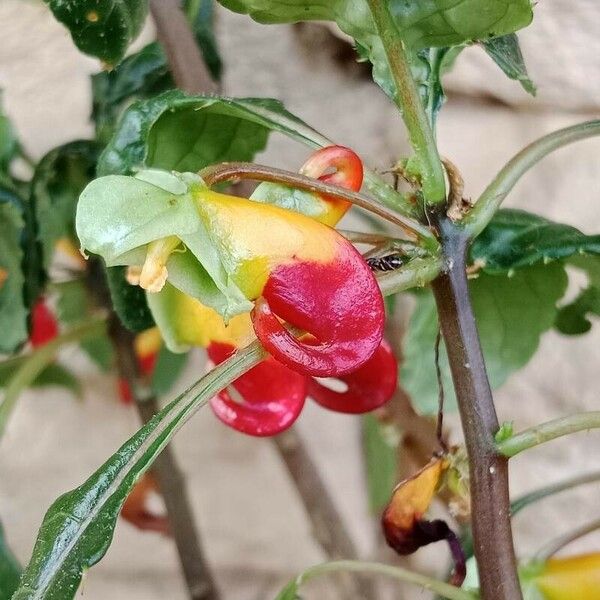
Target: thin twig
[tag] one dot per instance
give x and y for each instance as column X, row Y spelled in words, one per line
column 185, row 60
column 557, row 544
column 490, row 501
column 328, row 526
column 507, row 178
column 199, row 579
column 241, row 170
column 540, row 434
column 439, row 429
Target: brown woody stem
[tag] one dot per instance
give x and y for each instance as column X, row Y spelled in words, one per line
column 200, row 582
column 185, row 60
column 490, row 501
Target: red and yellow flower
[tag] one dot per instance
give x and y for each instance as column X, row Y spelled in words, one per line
column 220, row 269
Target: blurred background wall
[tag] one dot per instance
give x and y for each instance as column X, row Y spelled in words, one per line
column 254, row 527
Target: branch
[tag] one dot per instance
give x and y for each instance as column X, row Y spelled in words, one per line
column 540, row 434
column 488, row 470
column 557, row 544
column 240, row 170
column 200, row 582
column 185, row 60
column 523, row 501
column 445, row 590
column 328, row 526
column 409, row 102
column 489, row 201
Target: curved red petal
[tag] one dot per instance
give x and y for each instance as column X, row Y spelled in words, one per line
column 43, row 325
column 273, row 396
column 368, row 388
column 347, row 164
column 339, row 303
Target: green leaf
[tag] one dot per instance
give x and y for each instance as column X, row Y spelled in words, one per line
column 169, row 367
column 9, row 145
column 515, row 238
column 75, row 306
column 13, row 311
column 59, row 178
column 511, row 313
column 102, row 29
column 10, row 570
column 78, row 528
column 381, row 456
column 572, row 319
column 52, row 375
column 506, row 53
column 216, row 129
column 438, row 24
column 506, row 431
column 129, row 301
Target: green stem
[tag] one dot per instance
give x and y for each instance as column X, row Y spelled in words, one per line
column 242, row 170
column 557, row 544
column 417, row 273
column 38, row 360
column 440, row 588
column 523, row 501
column 540, row 434
column 409, row 101
column 489, row 201
column 400, row 202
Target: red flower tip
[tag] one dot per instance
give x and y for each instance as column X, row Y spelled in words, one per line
column 135, row 509
column 368, row 388
column 44, row 327
column 271, row 396
column 348, row 168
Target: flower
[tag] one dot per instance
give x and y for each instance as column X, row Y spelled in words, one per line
column 220, row 271
column 44, row 326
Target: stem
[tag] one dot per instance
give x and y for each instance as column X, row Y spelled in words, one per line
column 540, row 434
column 417, row 273
column 488, row 470
column 489, row 201
column 409, row 101
column 200, row 582
column 240, row 170
column 520, row 503
column 557, row 544
column 185, row 60
column 328, row 525
column 402, row 203
column 38, row 360
column 438, row 587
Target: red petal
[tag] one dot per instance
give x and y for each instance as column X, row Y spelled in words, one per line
column 347, row 164
column 43, row 325
column 369, row 387
column 339, row 303
column 273, row 396
column 135, row 507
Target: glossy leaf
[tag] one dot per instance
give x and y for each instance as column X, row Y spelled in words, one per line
column 511, row 312
column 77, row 529
column 129, row 301
column 13, row 311
column 216, row 129
column 515, row 238
column 10, row 570
column 58, row 180
column 506, row 53
column 102, row 29
column 201, row 16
